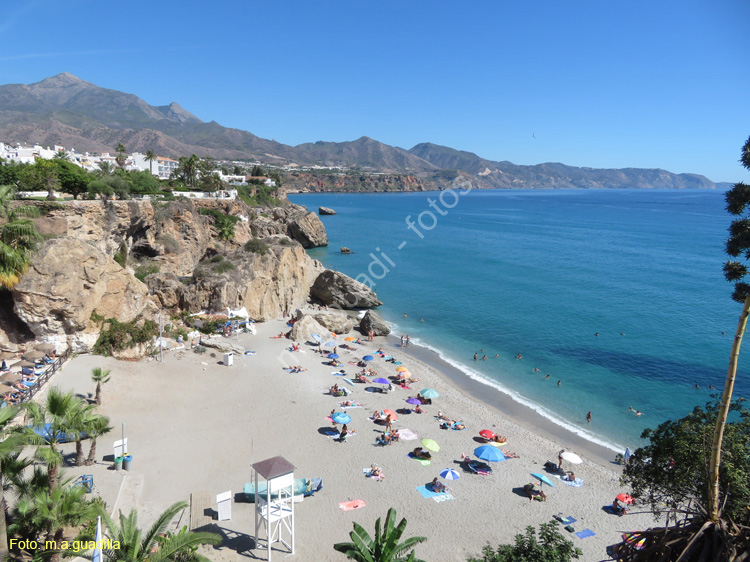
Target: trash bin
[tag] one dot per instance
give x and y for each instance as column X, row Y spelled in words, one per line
column 127, row 462
column 228, row 359
column 118, row 463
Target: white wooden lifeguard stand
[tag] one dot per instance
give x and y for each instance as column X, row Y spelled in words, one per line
column 274, row 515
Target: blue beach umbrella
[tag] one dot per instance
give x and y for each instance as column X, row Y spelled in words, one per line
column 330, row 344
column 489, row 453
column 341, row 417
column 368, row 358
column 450, row 474
column 543, row 479
column 316, row 337
column 332, row 356
column 381, row 380
column 429, row 393
column 348, row 381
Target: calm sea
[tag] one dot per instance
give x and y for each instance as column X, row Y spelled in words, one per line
column 541, row 273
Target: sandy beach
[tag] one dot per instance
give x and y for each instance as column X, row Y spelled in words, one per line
column 194, row 425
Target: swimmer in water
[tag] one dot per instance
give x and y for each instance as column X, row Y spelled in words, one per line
column 536, row 370
column 421, row 319
column 597, row 334
column 559, row 383
column 545, row 378
column 638, row 413
column 484, row 358
column 475, row 356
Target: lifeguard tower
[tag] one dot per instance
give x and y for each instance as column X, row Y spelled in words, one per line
column 274, row 502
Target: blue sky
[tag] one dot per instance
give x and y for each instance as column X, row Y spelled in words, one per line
column 588, row 83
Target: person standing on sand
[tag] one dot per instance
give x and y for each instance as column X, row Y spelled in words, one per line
column 588, row 417
column 408, row 341
column 560, row 460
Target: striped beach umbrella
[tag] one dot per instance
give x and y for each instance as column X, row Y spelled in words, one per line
column 450, row 474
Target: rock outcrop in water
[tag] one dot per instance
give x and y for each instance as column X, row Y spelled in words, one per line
column 371, row 321
column 333, row 288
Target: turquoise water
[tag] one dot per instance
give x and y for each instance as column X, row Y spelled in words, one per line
column 540, row 273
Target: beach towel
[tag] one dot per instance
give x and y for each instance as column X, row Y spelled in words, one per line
column 565, row 519
column 585, row 534
column 577, row 483
column 454, row 428
column 353, row 363
column 404, row 386
column 397, row 362
column 406, row 435
column 356, row 405
column 423, row 462
column 339, row 373
column 351, row 505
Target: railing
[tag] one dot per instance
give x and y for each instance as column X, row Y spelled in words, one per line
column 44, row 377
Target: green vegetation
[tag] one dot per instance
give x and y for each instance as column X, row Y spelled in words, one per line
column 257, row 246
column 672, row 469
column 550, row 546
column 118, row 336
column 384, row 547
column 155, row 544
column 260, row 196
column 18, row 238
column 144, row 270
column 224, row 266
column 100, row 376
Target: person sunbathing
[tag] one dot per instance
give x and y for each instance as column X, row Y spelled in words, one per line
column 361, row 378
column 375, row 471
column 618, row 509
column 499, row 438
column 441, row 415
column 418, row 410
column 458, row 425
column 529, row 490
column 421, row 454
column 437, row 486
column 541, row 496
column 384, row 439
column 510, row 455
column 394, row 435
column 570, row 477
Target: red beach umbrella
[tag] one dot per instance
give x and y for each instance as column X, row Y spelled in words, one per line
column 625, row 498
column 487, row 434
column 391, row 413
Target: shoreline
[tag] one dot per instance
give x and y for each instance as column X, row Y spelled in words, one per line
column 505, row 405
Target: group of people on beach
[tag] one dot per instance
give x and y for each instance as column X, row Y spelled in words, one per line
column 405, row 341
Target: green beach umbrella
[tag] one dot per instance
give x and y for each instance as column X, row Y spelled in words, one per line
column 430, row 445
column 429, row 393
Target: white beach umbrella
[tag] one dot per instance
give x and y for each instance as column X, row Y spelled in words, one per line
column 571, row 457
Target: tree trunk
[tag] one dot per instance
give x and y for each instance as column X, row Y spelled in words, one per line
column 3, row 526
column 98, row 399
column 57, row 556
column 52, row 472
column 79, row 453
column 92, row 453
column 721, row 421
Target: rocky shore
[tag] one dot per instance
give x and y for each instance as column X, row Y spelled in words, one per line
column 129, row 260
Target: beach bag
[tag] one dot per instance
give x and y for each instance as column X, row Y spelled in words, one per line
column 550, row 466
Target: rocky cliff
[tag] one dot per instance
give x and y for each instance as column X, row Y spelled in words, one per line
column 127, row 260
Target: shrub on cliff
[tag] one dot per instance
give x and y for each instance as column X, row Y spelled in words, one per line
column 257, row 246
column 119, row 336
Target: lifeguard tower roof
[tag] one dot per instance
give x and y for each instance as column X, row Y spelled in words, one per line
column 273, row 467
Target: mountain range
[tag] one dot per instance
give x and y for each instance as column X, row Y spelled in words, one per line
column 68, row 111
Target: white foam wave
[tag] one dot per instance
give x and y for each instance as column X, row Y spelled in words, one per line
column 538, row 408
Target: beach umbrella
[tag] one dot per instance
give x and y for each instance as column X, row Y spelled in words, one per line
column 332, row 356
column 430, row 445
column 429, row 393
column 350, row 338
column 401, row 368
column 489, row 454
column 543, row 479
column 381, row 380
column 341, row 417
column 391, row 413
column 636, row 540
column 7, row 355
column 404, row 374
column 571, row 457
column 368, row 358
column 25, row 364
column 330, row 344
column 316, row 337
column 487, row 434
column 348, row 381
column 33, row 355
column 625, row 498
column 413, row 401
column 450, row 474
column 46, row 347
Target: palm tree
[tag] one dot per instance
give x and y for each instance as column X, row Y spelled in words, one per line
column 120, row 159
column 52, row 513
column 120, row 147
column 384, row 547
column 56, row 419
column 98, row 426
column 100, row 376
column 11, row 466
column 105, row 167
column 61, row 155
column 151, row 157
column 225, row 227
column 82, row 419
column 188, row 169
column 153, row 546
column 18, row 237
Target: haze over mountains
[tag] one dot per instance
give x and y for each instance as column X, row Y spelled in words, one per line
column 65, row 110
